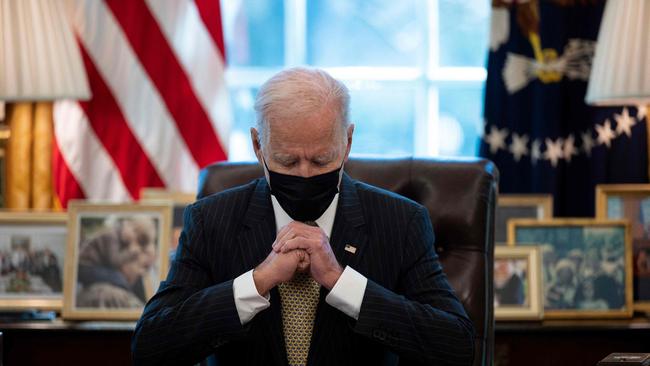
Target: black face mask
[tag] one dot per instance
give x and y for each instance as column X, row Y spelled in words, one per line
column 304, row 199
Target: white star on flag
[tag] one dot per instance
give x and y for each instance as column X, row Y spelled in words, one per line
column 553, row 151
column 569, row 148
column 535, row 151
column 641, row 112
column 587, row 142
column 624, row 123
column 496, row 139
column 605, row 133
column 518, row 147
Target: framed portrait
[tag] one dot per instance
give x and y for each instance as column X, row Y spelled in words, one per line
column 32, row 259
column 517, row 283
column 116, row 258
column 631, row 202
column 178, row 200
column 519, row 206
column 586, row 265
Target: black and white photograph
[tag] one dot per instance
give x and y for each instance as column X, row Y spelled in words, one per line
column 585, row 265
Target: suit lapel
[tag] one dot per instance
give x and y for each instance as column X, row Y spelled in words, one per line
column 348, row 230
column 255, row 242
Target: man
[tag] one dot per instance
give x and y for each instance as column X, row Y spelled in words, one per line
column 258, row 281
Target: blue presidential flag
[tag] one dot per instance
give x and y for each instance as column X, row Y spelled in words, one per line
column 538, row 129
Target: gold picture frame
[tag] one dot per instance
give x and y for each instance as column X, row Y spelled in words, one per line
column 510, row 206
column 41, row 260
column 179, row 200
column 577, row 283
column 154, row 194
column 528, row 304
column 615, row 201
column 114, row 258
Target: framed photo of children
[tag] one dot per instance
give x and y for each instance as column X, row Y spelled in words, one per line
column 520, row 206
column 179, row 200
column 32, row 259
column 586, row 265
column 117, row 257
column 632, row 202
column 517, row 283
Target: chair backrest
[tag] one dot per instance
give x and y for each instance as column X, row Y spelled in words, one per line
column 460, row 196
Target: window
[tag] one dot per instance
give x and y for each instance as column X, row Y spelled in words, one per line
column 415, row 68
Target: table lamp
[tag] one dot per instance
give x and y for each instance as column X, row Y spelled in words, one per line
column 40, row 58
column 40, row 61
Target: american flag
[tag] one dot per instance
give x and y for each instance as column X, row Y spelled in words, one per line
column 159, row 110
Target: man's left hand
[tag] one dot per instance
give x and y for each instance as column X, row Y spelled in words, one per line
column 324, row 267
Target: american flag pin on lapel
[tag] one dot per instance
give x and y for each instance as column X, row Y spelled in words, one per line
column 350, row 248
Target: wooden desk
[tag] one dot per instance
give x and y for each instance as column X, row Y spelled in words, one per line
column 67, row 343
column 555, row 343
column 569, row 342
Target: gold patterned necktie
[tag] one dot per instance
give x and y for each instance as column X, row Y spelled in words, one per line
column 299, row 298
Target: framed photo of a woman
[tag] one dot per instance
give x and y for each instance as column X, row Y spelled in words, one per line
column 519, row 206
column 117, row 257
column 586, row 265
column 632, row 202
column 32, row 259
column 179, row 200
column 517, row 283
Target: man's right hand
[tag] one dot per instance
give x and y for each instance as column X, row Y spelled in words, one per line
column 278, row 268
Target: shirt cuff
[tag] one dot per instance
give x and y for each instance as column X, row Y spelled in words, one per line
column 247, row 300
column 347, row 293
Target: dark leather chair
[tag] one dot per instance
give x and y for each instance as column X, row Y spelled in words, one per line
column 460, row 196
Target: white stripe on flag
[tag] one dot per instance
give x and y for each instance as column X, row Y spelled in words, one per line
column 139, row 100
column 98, row 177
column 200, row 57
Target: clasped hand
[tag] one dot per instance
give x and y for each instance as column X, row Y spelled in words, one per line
column 298, row 248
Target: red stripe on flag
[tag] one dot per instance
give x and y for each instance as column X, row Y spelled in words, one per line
column 66, row 186
column 210, row 12
column 164, row 70
column 110, row 126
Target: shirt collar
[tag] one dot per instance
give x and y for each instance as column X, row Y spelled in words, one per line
column 325, row 221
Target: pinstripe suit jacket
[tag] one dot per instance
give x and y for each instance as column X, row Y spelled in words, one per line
column 409, row 313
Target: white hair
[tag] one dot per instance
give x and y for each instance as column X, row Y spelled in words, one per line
column 299, row 91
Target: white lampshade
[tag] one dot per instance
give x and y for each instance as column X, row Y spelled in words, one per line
column 39, row 56
column 620, row 73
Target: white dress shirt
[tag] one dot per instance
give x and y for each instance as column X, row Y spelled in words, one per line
column 346, row 295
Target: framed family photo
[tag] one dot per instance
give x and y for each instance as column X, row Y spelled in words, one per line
column 519, row 206
column 32, row 259
column 117, row 255
column 179, row 201
column 586, row 265
column 632, row 202
column 517, row 283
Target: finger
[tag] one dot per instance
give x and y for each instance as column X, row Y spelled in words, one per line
column 285, row 233
column 305, row 262
column 298, row 243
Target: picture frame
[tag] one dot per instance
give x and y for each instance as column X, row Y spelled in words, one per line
column 114, row 258
column 511, row 206
column 632, row 202
column 518, row 283
column 586, row 265
column 32, row 257
column 179, row 201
